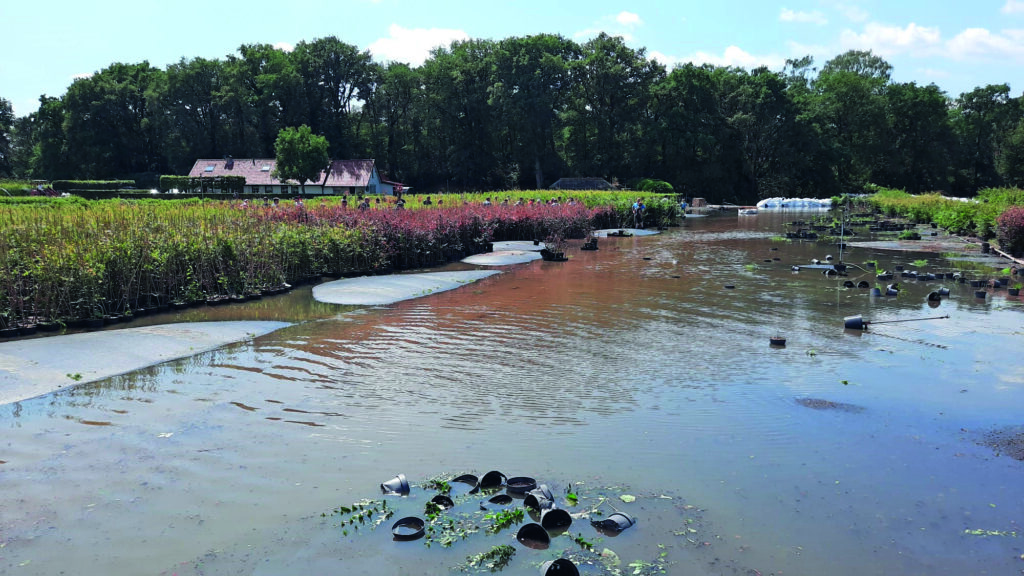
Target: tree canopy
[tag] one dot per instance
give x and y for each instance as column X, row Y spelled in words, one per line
column 523, row 112
column 301, row 155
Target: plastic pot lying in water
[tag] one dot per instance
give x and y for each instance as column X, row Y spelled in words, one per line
column 614, row 524
column 520, row 484
column 492, row 479
column 534, row 536
column 555, row 519
column 409, row 528
column 397, row 485
column 559, row 567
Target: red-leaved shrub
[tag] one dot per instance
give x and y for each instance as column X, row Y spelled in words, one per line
column 1010, row 230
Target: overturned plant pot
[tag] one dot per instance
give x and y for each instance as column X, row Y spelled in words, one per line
column 559, row 567
column 534, row 536
column 612, row 525
column 397, row 485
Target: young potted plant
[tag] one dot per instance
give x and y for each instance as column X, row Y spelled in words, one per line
column 1015, row 291
column 554, row 248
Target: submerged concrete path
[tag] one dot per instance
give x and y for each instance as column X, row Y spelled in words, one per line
column 382, row 290
column 30, row 368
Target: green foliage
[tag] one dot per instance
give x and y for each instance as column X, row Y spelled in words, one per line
column 224, row 184
column 655, row 186
column 301, row 155
column 494, row 560
column 503, row 519
column 76, row 185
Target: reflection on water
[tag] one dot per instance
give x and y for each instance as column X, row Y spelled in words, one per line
column 842, row 453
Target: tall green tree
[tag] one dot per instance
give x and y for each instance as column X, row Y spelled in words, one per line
column 301, row 155
column 847, row 107
column 611, row 87
column 50, row 149
column 6, row 137
column 111, row 124
column 531, row 88
column 335, row 77
column 980, row 118
column 919, row 150
column 196, row 120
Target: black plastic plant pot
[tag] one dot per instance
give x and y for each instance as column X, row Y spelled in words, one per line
column 612, row 525
column 468, row 479
column 555, row 519
column 934, row 297
column 500, row 500
column 520, row 484
column 409, row 528
column 980, row 294
column 855, row 323
column 863, row 284
column 534, row 536
column 776, row 341
column 443, row 502
column 538, row 502
column 492, row 479
column 559, row 567
column 397, row 485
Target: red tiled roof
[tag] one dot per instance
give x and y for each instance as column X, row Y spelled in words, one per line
column 257, row 171
column 349, row 173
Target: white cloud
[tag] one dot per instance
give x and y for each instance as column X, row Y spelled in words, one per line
column 284, row 46
column 81, row 75
column 852, row 12
column 732, row 56
column 1013, row 7
column 889, row 40
column 413, row 45
column 981, row 43
column 815, row 17
column 628, row 19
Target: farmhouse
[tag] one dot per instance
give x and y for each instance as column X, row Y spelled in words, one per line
column 358, row 177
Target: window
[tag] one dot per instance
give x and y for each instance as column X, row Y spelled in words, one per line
column 371, row 189
column 265, row 168
column 295, row 189
column 268, row 189
column 254, row 189
column 209, row 167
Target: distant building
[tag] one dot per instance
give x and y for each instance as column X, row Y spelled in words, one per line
column 582, row 184
column 355, row 177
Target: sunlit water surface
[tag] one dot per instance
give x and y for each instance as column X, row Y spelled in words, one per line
column 632, row 367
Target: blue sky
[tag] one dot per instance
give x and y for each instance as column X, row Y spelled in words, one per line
column 955, row 44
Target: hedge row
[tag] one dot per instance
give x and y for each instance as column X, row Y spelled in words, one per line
column 190, row 184
column 76, row 185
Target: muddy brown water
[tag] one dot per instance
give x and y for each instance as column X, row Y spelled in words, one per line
column 630, row 369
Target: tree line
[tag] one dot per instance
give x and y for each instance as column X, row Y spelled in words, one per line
column 524, row 111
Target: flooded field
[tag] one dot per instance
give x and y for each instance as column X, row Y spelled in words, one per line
column 629, row 371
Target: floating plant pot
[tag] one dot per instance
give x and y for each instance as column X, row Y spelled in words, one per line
column 779, row 341
column 559, row 567
column 555, row 519
column 613, row 524
column 855, row 323
column 1013, row 291
column 500, row 500
column 848, row 284
column 492, row 479
column 876, row 291
column 943, row 291
column 534, row 536
column 443, row 502
column 539, row 499
column 397, row 485
column 980, row 294
column 863, row 284
column 520, row 484
column 470, row 480
column 934, row 297
column 730, row 286
column 409, row 528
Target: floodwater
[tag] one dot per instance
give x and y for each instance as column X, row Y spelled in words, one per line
column 631, row 369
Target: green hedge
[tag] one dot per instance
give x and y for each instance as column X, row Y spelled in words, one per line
column 189, row 184
column 76, row 185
